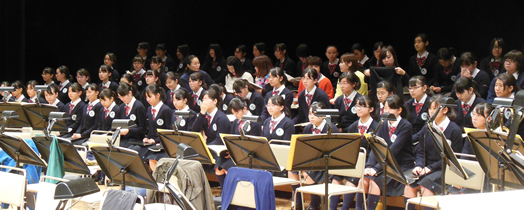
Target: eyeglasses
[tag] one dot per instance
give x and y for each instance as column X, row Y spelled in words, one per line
column 509, row 61
column 414, row 88
column 361, row 107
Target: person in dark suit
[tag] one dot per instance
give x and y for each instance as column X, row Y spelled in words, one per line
column 134, row 110
column 239, row 108
column 210, row 119
column 418, row 104
column 215, row 63
column 309, row 95
column 105, row 75
column 349, row 83
column 20, row 93
column 446, row 71
column 51, row 96
column 494, row 63
column 424, row 62
column 468, row 65
column 75, row 109
column 109, row 112
column 197, row 88
column 180, row 100
column 514, row 65
column 283, row 61
column 172, row 86
column 278, row 125
column 244, row 90
column 469, row 97
column 277, row 80
column 64, row 78
column 90, row 119
column 32, row 94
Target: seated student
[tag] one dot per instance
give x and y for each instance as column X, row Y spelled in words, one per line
column 417, row 106
column 167, row 60
column 158, row 66
column 262, row 65
column 83, row 78
column 398, row 136
column 323, row 82
column 158, row 117
column 236, row 71
column 152, row 77
column 283, row 61
column 277, row 80
column 330, row 68
column 384, row 90
column 239, row 108
column 226, row 98
column 172, row 86
column 109, row 110
column 309, row 95
column 375, row 59
column 349, row 83
column 428, row 162
column 469, row 97
column 33, row 97
column 64, row 78
column 134, row 110
column 105, row 75
column 424, row 62
column 139, row 73
column 90, row 119
column 244, row 90
column 494, row 63
column 48, row 75
column 215, row 64
column 278, row 125
column 191, row 65
column 197, row 87
column 318, row 126
column 180, row 100
column 468, row 65
column 302, row 53
column 110, row 60
column 514, row 65
column 446, row 71
column 75, row 109
column 348, row 63
column 363, row 60
column 506, row 85
column 19, row 94
column 210, row 119
column 128, row 78
column 366, row 111
column 51, row 96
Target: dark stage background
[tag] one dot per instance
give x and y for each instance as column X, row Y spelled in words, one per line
column 37, row 34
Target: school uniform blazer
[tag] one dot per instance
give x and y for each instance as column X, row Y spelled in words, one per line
column 141, row 83
column 105, row 123
column 491, row 93
column 90, row 120
column 309, row 127
column 219, row 73
column 62, row 93
column 254, row 129
column 12, row 99
column 225, row 104
column 161, row 121
column 445, row 82
column 288, row 98
column 324, row 84
column 353, row 128
column 465, row 120
column 138, row 115
column 426, row 154
column 184, row 79
column 76, row 116
column 484, row 66
column 188, row 121
column 289, row 66
column 418, row 121
column 256, row 103
column 482, row 80
column 286, row 127
column 303, row 108
column 112, row 86
column 60, row 106
column 429, row 65
column 402, row 147
column 169, row 99
column 333, row 77
column 346, row 117
column 219, row 124
column 196, row 106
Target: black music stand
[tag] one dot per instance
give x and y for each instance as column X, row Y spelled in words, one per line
column 73, row 163
column 18, row 149
column 251, row 152
column 171, row 141
column 323, row 152
column 39, row 117
column 124, row 166
column 21, row 120
column 383, row 155
column 489, row 150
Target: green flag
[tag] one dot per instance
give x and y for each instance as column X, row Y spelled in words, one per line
column 55, row 166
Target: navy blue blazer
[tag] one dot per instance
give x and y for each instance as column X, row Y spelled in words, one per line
column 418, row 121
column 346, row 117
column 254, row 129
column 195, row 105
column 283, row 130
column 138, row 115
column 90, row 120
column 402, row 147
column 482, row 80
column 333, row 77
column 427, row 155
column 289, row 66
column 60, row 106
column 491, row 93
column 445, row 82
column 184, row 79
column 465, row 120
column 105, row 123
column 76, row 116
column 162, row 121
column 303, row 108
column 187, row 123
column 256, row 103
column 429, row 66
column 112, row 86
column 219, row 124
column 225, row 104
column 353, row 128
column 288, row 98
column 63, row 96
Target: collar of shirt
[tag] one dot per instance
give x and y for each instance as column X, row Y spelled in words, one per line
column 93, row 103
column 248, row 95
column 63, row 84
column 475, row 72
column 85, row 86
column 312, row 92
column 55, row 102
column 177, row 87
column 142, row 71
column 367, row 123
column 512, row 95
column 278, row 119
column 470, row 102
column 424, row 55
column 19, row 99
column 444, row 124
column 157, row 108
column 243, row 60
column 164, row 59
column 498, row 59
column 106, row 84
column 199, row 92
column 381, row 105
column 212, row 114
column 351, row 95
column 223, row 97
column 366, row 58
column 395, row 123
column 52, row 82
column 321, row 126
column 516, row 75
column 34, row 99
column 336, row 62
column 422, row 100
column 111, row 106
column 186, row 108
column 279, row 89
column 131, row 103
column 74, row 103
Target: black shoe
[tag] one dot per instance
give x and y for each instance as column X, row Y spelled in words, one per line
column 312, row 208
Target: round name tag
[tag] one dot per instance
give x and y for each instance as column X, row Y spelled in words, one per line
column 180, row 66
column 507, row 114
column 182, row 122
column 424, row 71
column 73, row 117
column 280, row 132
column 424, row 116
column 64, row 90
column 91, row 113
column 198, row 102
column 132, row 117
column 112, row 114
column 224, row 107
column 353, row 110
column 215, row 127
column 393, row 137
column 252, row 107
column 336, row 74
column 219, row 68
column 496, row 72
column 453, row 78
column 139, row 83
column 160, row 122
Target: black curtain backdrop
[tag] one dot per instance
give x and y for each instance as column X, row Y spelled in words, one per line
column 38, row 34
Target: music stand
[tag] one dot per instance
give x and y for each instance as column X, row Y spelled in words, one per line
column 40, row 117
column 6, row 91
column 21, row 120
column 251, row 152
column 171, row 140
column 124, row 166
column 324, row 152
column 73, row 163
column 444, row 149
column 18, row 149
column 489, row 150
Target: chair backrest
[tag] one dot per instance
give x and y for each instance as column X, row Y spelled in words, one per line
column 139, row 205
column 244, row 195
column 359, row 168
column 281, row 151
column 101, row 137
column 45, row 198
column 180, row 198
column 13, row 186
column 244, row 190
column 476, row 182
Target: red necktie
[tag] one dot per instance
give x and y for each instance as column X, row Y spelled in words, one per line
column 465, row 108
column 30, row 100
column 381, row 110
column 304, row 66
column 127, row 108
column 347, row 103
column 332, row 68
column 137, row 77
column 315, row 130
column 153, row 111
column 421, row 61
column 89, row 108
column 309, row 97
column 441, row 128
column 391, row 130
column 60, row 87
column 448, row 70
column 494, row 66
column 240, row 124
column 275, row 92
column 195, row 98
column 208, row 118
column 362, row 129
column 281, row 65
column 214, row 64
column 418, row 107
column 172, row 96
column 273, row 123
column 107, row 113
column 71, row 107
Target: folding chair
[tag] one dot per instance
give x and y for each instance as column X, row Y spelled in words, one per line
column 13, row 186
column 281, row 152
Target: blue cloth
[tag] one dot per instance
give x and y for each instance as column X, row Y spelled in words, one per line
column 261, row 180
